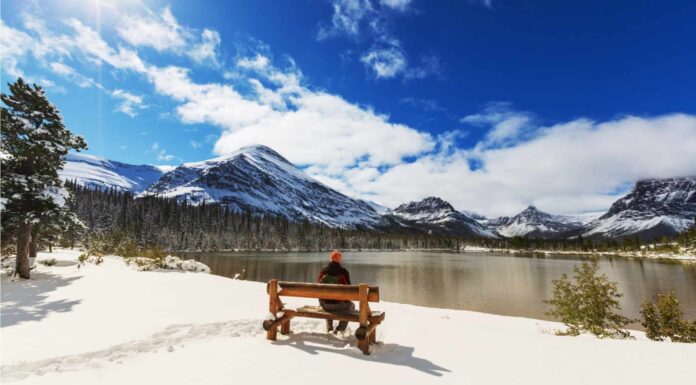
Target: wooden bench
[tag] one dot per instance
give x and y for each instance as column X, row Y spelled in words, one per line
column 368, row 320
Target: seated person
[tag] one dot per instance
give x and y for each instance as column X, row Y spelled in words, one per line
column 336, row 274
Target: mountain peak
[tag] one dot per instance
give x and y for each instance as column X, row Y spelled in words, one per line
column 532, row 222
column 258, row 179
column 96, row 172
column 532, row 212
column 437, row 214
column 426, row 204
column 259, row 149
column 654, row 207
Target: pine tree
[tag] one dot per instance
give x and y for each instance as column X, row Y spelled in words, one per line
column 34, row 142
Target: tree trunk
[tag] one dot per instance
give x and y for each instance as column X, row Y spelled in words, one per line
column 50, row 247
column 23, row 242
column 34, row 244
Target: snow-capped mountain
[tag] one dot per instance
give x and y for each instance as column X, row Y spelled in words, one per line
column 259, row 179
column 102, row 173
column 436, row 215
column 655, row 207
column 535, row 223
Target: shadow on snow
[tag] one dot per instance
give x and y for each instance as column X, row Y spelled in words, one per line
column 393, row 354
column 27, row 300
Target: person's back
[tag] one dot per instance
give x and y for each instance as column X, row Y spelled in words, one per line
column 334, row 273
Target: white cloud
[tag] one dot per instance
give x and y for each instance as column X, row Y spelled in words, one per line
column 399, row 5
column 367, row 20
column 128, row 103
column 385, row 62
column 163, row 33
column 430, row 66
column 570, row 167
column 14, row 45
column 212, row 103
column 195, row 144
column 507, row 126
column 206, row 49
column 329, row 133
column 348, row 18
column 257, row 63
column 98, row 51
column 161, row 154
column 71, row 74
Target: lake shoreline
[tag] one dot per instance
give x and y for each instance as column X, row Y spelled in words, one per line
column 469, row 249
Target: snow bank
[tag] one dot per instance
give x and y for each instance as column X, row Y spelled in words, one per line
column 111, row 324
column 169, row 262
column 682, row 255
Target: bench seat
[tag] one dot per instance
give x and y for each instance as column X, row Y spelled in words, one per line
column 318, row 312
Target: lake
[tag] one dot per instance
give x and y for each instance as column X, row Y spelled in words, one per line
column 492, row 283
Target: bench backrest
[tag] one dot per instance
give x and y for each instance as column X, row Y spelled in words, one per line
column 324, row 291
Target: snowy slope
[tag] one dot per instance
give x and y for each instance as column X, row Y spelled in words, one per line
column 655, row 207
column 190, row 328
column 258, row 179
column 436, row 215
column 535, row 223
column 381, row 210
column 97, row 172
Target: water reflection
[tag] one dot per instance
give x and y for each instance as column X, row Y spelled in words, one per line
column 491, row 283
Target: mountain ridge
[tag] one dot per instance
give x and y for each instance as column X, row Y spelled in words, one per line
column 258, row 179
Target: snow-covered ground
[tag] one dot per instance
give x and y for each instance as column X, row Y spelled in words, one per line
column 112, row 324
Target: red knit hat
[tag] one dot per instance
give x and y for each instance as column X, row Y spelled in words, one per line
column 336, row 256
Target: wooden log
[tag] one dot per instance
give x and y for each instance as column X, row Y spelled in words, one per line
column 285, row 327
column 364, row 345
column 274, row 323
column 364, row 308
column 350, row 317
column 364, row 332
column 325, row 291
column 272, row 332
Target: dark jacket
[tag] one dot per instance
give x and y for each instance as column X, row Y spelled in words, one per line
column 338, row 271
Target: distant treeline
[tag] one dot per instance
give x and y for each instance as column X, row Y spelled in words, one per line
column 112, row 216
column 116, row 217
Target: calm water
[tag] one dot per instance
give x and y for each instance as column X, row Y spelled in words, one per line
column 491, row 283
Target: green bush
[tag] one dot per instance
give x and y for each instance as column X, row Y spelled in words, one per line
column 127, row 249
column 82, row 259
column 589, row 304
column 48, row 262
column 664, row 320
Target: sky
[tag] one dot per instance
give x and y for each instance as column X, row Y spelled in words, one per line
column 493, row 105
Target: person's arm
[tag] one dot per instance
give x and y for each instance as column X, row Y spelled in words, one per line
column 322, row 273
column 347, row 276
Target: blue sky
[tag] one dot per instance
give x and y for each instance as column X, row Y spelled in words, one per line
column 491, row 104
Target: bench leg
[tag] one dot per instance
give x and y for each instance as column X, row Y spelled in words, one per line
column 285, row 328
column 364, row 345
column 272, row 334
column 373, row 336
